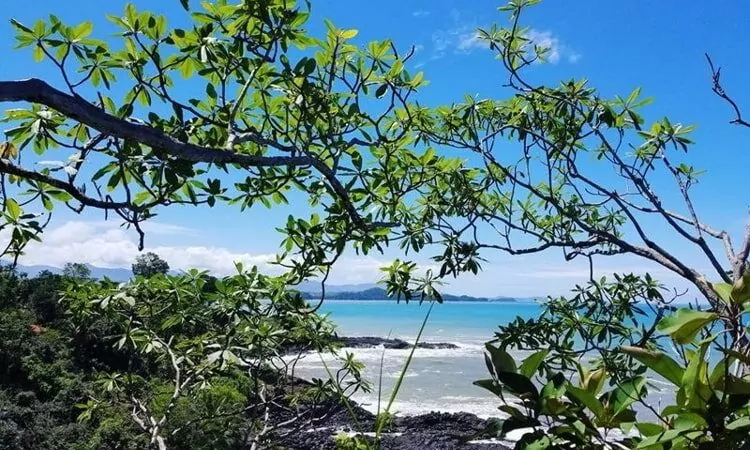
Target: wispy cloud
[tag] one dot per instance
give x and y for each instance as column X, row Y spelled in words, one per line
column 461, row 38
column 469, row 41
column 420, row 13
column 557, row 51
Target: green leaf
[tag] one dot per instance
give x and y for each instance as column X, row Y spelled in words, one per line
column 658, row 362
column 530, row 365
column 501, row 360
column 380, row 92
column 12, row 209
column 593, row 382
column 737, row 293
column 688, row 421
column 648, row 429
column 348, row 34
column 685, row 324
column 519, row 385
column 47, row 203
column 694, row 386
column 211, row 91
column 665, row 436
column 82, row 31
column 587, row 399
column 20, row 26
column 742, row 422
column 417, row 79
column 627, row 393
column 38, row 53
column 724, row 291
column 741, row 289
column 490, row 385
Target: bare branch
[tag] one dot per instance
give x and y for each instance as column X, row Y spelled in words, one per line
column 719, row 90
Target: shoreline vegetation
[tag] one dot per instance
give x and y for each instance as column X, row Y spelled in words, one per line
column 50, row 367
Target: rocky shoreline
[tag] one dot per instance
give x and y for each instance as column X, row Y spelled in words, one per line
column 430, row 431
column 433, row 431
column 390, row 344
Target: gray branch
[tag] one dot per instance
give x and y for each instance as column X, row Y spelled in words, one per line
column 77, row 108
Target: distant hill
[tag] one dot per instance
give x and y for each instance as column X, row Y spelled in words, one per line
column 96, row 272
column 309, row 289
column 379, row 294
column 313, row 287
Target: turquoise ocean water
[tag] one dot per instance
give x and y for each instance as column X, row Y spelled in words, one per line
column 437, row 380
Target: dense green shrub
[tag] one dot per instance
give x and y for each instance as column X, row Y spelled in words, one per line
column 165, row 362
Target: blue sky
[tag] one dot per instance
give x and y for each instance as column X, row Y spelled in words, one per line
column 658, row 46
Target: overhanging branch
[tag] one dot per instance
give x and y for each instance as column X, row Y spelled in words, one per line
column 77, row 108
column 12, row 169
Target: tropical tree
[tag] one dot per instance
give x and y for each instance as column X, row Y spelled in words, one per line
column 158, row 116
column 149, row 264
column 280, row 110
column 76, row 270
column 585, row 175
column 200, row 366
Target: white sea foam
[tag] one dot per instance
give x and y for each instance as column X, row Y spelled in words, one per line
column 473, row 405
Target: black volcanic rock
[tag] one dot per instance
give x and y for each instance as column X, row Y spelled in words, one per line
column 433, row 431
column 391, row 344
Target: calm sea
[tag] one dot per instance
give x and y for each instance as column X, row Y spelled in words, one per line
column 437, row 380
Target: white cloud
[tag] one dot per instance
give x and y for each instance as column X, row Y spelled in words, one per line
column 546, row 39
column 107, row 245
column 460, row 40
column 166, row 228
column 462, row 37
column 557, row 50
column 470, row 41
column 420, row 13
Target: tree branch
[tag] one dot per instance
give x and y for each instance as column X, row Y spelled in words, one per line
column 12, row 169
column 75, row 107
column 719, row 90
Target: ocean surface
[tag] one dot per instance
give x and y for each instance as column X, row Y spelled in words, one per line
column 437, row 380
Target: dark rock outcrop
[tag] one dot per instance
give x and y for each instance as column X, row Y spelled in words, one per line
column 433, row 431
column 392, row 344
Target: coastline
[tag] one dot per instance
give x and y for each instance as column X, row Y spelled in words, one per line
column 437, row 428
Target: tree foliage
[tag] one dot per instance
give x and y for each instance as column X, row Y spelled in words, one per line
column 149, row 264
column 244, row 107
column 585, row 175
column 162, row 362
column 159, row 115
